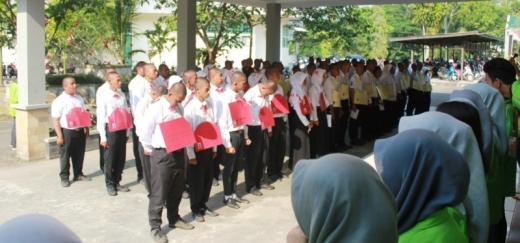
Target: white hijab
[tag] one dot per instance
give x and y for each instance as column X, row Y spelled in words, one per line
column 317, row 79
column 297, row 80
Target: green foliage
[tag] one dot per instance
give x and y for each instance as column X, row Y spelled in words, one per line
column 80, row 79
column 8, row 23
column 399, row 18
column 160, row 38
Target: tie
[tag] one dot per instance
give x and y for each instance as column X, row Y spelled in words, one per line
column 238, row 97
column 152, row 86
column 172, row 107
column 191, row 98
column 116, row 95
column 322, row 103
column 204, row 110
column 220, row 91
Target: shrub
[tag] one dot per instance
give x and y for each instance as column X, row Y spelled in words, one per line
column 80, row 79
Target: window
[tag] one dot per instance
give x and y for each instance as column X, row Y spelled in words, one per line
column 285, row 37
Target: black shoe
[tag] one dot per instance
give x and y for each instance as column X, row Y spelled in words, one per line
column 197, row 217
column 122, row 188
column 209, row 212
column 111, row 191
column 231, row 203
column 267, row 187
column 158, row 236
column 282, row 175
column 65, row 183
column 256, row 192
column 275, row 178
column 357, row 142
column 82, row 178
column 240, row 200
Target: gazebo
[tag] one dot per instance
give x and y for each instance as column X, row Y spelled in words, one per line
column 32, row 111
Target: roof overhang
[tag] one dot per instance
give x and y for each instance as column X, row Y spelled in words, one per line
column 451, row 39
column 317, row 3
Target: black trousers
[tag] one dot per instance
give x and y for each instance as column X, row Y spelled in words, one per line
column 390, row 114
column 334, row 130
column 167, row 184
column 216, row 161
column 425, row 102
column 200, row 180
column 401, row 106
column 343, row 121
column 146, row 168
column 232, row 162
column 276, row 148
column 137, row 157
column 319, row 136
column 359, row 122
column 73, row 148
column 256, row 156
column 414, row 97
column 299, row 138
column 101, row 156
column 370, row 121
column 115, row 156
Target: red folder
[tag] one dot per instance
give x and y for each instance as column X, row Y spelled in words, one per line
column 305, row 106
column 120, row 119
column 177, row 134
column 279, row 104
column 77, row 117
column 240, row 113
column 266, row 118
column 207, row 135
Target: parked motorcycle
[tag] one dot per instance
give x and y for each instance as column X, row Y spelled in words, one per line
column 468, row 74
column 448, row 73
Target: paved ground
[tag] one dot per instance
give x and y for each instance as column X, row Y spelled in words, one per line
column 96, row 217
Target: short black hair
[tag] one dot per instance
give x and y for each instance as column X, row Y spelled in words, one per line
column 140, row 64
column 269, row 71
column 500, row 68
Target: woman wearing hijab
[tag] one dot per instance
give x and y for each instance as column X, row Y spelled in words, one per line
column 36, row 228
column 340, row 198
column 299, row 122
column 319, row 135
column 459, row 135
column 501, row 177
column 426, row 183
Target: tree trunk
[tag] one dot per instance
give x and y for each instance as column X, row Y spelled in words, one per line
column 446, row 25
column 423, row 29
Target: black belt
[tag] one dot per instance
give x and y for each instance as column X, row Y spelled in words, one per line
column 163, row 149
column 237, row 132
column 74, row 130
column 159, row 149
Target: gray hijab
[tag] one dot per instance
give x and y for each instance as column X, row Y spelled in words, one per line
column 36, row 228
column 475, row 207
column 340, row 198
column 497, row 109
column 472, row 98
column 423, row 180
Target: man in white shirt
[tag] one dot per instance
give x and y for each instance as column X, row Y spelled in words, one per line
column 137, row 91
column 257, row 154
column 414, row 95
column 164, row 75
column 189, row 77
column 215, row 92
column 70, row 139
column 200, row 170
column 277, row 142
column 113, row 142
column 139, row 113
column 99, row 93
column 344, row 93
column 233, row 139
column 167, row 169
column 331, row 87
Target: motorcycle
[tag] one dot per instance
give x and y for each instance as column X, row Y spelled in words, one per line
column 448, row 73
column 468, row 74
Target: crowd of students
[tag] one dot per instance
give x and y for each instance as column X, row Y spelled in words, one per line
column 442, row 178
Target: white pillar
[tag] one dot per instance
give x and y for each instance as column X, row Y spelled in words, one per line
column 273, row 32
column 32, row 116
column 186, row 34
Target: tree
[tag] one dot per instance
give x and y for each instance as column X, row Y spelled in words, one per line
column 428, row 16
column 399, row 17
column 219, row 25
column 8, row 26
column 160, row 39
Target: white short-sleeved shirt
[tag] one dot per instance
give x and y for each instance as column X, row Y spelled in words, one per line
column 62, row 105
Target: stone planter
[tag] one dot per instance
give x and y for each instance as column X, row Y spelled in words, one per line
column 52, row 150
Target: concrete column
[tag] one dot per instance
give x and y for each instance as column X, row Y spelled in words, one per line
column 32, row 116
column 186, row 34
column 273, row 31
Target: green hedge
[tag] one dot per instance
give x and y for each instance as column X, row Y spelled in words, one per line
column 80, row 79
column 55, row 80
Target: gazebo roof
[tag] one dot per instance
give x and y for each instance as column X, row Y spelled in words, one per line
column 316, row 3
column 451, row 39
